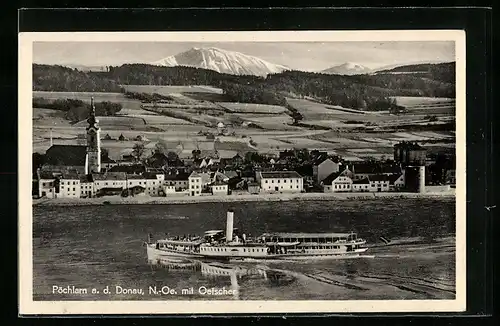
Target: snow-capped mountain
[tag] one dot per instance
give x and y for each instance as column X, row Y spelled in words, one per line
column 222, row 61
column 348, row 68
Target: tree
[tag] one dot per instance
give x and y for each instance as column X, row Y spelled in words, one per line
column 161, row 146
column 38, row 160
column 138, row 151
column 172, row 157
column 104, row 153
column 196, row 153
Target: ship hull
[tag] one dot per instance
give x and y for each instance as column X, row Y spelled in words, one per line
column 154, row 254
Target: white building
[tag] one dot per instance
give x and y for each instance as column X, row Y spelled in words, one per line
column 361, row 185
column 109, row 180
column 379, row 183
column 135, row 180
column 219, row 188
column 337, row 182
column 396, row 182
column 46, row 185
column 69, row 186
column 154, row 184
column 280, row 181
column 195, row 184
column 87, row 189
column 179, row 181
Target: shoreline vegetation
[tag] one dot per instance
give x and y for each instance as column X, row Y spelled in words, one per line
column 147, row 200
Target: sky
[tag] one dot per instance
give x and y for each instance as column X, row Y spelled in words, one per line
column 306, row 56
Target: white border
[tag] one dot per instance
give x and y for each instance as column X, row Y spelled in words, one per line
column 26, row 304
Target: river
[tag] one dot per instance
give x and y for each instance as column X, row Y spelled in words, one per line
column 99, row 247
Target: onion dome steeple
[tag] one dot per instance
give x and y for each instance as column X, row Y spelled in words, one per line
column 92, row 120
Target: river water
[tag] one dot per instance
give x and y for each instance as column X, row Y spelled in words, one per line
column 99, row 247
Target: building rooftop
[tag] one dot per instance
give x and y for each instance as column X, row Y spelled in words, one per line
column 69, row 176
column 394, row 177
column 177, row 176
column 305, row 170
column 219, row 183
column 330, row 178
column 68, row 155
column 46, row 175
column 109, row 176
column 135, row 177
column 361, row 181
column 379, row 177
column 280, row 174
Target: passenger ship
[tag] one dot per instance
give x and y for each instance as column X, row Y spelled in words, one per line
column 231, row 245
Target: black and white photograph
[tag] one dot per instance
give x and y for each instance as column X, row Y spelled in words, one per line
column 242, row 172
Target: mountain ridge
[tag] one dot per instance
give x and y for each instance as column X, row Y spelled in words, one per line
column 347, row 68
column 222, row 61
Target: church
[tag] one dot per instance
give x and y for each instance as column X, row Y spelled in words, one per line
column 68, row 168
column 77, row 158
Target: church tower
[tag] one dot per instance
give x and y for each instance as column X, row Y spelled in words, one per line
column 93, row 160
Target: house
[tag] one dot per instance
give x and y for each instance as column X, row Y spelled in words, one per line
column 109, row 181
column 280, row 181
column 69, row 186
column 337, row 182
column 306, row 171
column 218, row 176
column 87, row 189
column 179, row 180
column 379, row 183
column 450, row 177
column 197, row 182
column 219, row 188
column 253, row 188
column 46, row 184
column 396, row 182
column 206, row 162
column 154, row 184
column 361, row 185
column 323, row 167
column 136, row 180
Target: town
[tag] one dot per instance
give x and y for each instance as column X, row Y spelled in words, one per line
column 78, row 171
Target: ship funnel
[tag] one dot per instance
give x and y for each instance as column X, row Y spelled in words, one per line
column 229, row 225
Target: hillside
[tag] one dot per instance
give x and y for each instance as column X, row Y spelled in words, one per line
column 366, row 92
column 62, row 79
column 444, row 72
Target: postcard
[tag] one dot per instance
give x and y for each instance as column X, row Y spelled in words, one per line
column 242, row 172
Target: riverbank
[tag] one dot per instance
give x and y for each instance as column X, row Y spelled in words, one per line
column 116, row 200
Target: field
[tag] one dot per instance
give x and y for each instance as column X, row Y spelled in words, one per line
column 252, row 108
column 428, row 105
column 198, row 108
column 167, row 90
